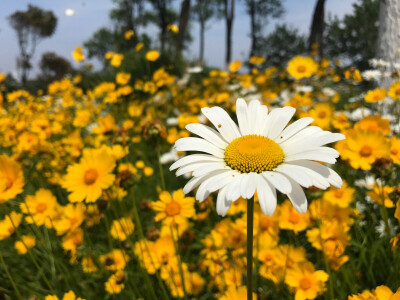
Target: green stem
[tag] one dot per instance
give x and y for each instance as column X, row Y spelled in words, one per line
column 160, row 167
column 10, row 277
column 178, row 254
column 250, row 216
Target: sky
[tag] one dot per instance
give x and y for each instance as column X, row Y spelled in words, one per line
column 90, row 15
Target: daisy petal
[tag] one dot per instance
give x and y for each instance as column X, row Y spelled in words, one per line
column 208, row 134
column 317, row 179
column 222, row 122
column 266, row 196
column 193, row 158
column 241, row 113
column 295, row 173
column 223, row 204
column 323, row 154
column 280, row 121
column 198, row 144
column 248, row 185
column 297, row 197
column 279, row 181
column 209, row 167
column 294, row 128
column 195, row 181
column 233, row 189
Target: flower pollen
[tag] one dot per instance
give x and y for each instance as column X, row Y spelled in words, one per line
column 253, row 153
column 90, row 176
column 173, row 208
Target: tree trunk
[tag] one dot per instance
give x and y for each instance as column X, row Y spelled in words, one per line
column 229, row 15
column 317, row 28
column 389, row 34
column 163, row 23
column 183, row 20
column 202, row 31
column 253, row 27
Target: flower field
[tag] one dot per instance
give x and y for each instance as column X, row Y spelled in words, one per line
column 90, row 207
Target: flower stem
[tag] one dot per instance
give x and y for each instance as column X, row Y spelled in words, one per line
column 10, row 277
column 250, row 216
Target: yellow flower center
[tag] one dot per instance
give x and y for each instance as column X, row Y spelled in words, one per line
column 365, row 151
column 90, row 176
column 301, row 69
column 41, row 207
column 294, row 218
column 305, row 283
column 338, row 193
column 394, row 151
column 253, row 153
column 322, row 114
column 173, row 208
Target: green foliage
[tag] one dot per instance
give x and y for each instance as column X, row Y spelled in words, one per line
column 281, row 45
column 354, row 37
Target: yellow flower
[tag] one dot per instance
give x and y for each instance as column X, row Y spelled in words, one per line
column 72, row 240
column 290, row 219
column 40, row 208
column 394, row 90
column 235, row 66
column 257, row 60
column 82, row 118
column 109, row 55
column 122, row 78
column 302, row 66
column 375, row 95
column 139, row 47
column 78, row 55
column 236, row 293
column 114, row 260
column 128, row 34
column 88, row 178
column 152, row 55
column 71, row 218
column 173, row 28
column 116, row 59
column 28, row 242
column 380, row 194
column 8, row 224
column 11, row 178
column 88, row 265
column 122, row 228
column 67, row 296
column 173, row 209
column 362, row 148
column 395, row 150
column 2, row 77
column 115, row 284
column 341, row 197
column 374, row 124
column 306, row 282
column 322, row 114
column 148, row 171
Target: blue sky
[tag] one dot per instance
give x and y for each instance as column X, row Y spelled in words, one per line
column 93, row 14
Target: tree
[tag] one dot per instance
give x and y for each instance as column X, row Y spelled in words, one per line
column 203, row 11
column 162, row 19
column 31, row 26
column 128, row 15
column 389, row 38
column 259, row 12
column 281, row 45
column 53, row 67
column 317, row 28
column 183, row 22
column 102, row 41
column 227, row 10
column 354, row 37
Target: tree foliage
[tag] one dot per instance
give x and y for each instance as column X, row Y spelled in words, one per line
column 31, row 26
column 354, row 37
column 281, row 45
column 53, row 67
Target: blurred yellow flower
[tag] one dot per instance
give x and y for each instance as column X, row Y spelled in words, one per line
column 394, row 90
column 301, row 67
column 122, row 228
column 122, row 78
column 78, row 55
column 173, row 209
column 128, row 34
column 87, row 179
column 139, row 47
column 11, row 178
column 375, row 95
column 173, row 28
column 116, row 59
column 152, row 55
column 235, row 66
column 236, row 293
column 9, row 224
column 257, row 60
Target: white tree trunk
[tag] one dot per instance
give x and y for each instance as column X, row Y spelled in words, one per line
column 388, row 46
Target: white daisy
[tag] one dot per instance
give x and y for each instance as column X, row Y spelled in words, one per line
column 261, row 154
